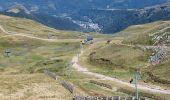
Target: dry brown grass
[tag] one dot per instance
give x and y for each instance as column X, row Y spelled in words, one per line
column 31, row 87
column 3, row 17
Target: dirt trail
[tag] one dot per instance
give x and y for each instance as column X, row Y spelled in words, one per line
column 83, row 69
column 10, row 34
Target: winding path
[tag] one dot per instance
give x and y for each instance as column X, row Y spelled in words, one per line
column 83, row 69
column 11, row 34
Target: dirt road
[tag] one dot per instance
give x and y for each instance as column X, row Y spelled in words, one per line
column 83, row 69
column 11, row 34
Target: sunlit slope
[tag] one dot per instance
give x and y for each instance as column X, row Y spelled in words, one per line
column 32, row 52
column 122, row 59
column 154, row 34
column 31, row 86
column 144, row 34
column 22, row 71
column 115, row 60
column 29, row 27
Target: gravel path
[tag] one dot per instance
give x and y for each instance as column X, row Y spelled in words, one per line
column 83, row 69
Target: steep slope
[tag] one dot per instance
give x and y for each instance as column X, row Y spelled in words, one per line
column 96, row 16
column 62, row 23
column 147, row 34
column 114, row 20
column 154, row 34
column 29, row 27
column 61, row 6
column 31, row 51
column 21, row 71
column 140, row 47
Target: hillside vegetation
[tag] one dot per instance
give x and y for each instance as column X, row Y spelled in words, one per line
column 31, row 50
column 33, row 28
column 21, row 74
column 89, row 16
column 122, row 59
column 116, row 60
column 29, row 27
column 22, row 71
column 143, row 34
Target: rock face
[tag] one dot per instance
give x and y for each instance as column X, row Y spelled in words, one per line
column 88, row 15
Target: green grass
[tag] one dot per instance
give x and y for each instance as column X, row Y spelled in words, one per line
column 29, row 27
column 139, row 34
column 162, row 70
column 142, row 34
column 31, row 56
column 34, row 86
column 121, row 56
column 27, row 60
column 121, row 60
column 29, row 53
column 133, row 57
column 85, row 88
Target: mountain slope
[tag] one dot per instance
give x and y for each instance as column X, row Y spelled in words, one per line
column 93, row 15
column 115, row 20
column 21, row 74
column 61, row 6
column 137, row 47
column 30, row 27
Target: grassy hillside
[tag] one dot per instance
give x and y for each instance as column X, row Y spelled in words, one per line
column 21, row 72
column 29, row 27
column 121, row 59
column 30, row 53
column 116, row 60
column 156, row 33
column 162, row 70
column 142, row 34
column 31, row 86
column 35, row 57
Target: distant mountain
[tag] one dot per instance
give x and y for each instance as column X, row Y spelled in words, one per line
column 64, row 6
column 52, row 21
column 106, row 16
column 114, row 20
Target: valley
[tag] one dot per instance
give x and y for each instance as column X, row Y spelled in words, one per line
column 99, row 16
column 34, row 47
